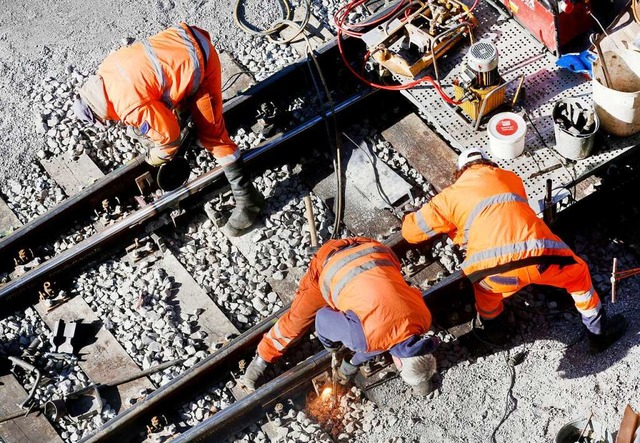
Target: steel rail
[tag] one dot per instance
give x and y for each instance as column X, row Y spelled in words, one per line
column 235, row 417
column 29, row 233
column 91, row 246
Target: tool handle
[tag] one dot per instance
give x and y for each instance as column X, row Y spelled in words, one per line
column 151, row 370
column 311, row 220
column 23, row 364
column 613, row 280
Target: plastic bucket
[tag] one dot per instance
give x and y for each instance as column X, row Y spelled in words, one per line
column 506, row 135
column 573, row 146
column 619, row 106
column 570, row 432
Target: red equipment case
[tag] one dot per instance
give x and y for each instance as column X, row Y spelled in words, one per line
column 553, row 29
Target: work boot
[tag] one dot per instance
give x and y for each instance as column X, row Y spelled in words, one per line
column 254, row 372
column 423, row 389
column 613, row 329
column 494, row 331
column 346, row 372
column 249, row 202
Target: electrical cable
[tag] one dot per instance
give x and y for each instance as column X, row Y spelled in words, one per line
column 278, row 25
column 338, row 146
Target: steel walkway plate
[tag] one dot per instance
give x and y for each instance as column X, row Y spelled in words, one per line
column 545, row 83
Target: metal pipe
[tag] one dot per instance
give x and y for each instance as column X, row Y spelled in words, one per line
column 168, row 201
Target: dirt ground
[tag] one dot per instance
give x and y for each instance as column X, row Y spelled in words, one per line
column 43, row 38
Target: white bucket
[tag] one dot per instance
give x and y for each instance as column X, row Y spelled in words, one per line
column 618, row 107
column 573, row 147
column 506, row 135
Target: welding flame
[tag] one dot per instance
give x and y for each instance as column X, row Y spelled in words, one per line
column 326, row 393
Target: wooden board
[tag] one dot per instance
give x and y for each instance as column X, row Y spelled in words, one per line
column 72, row 175
column 424, row 150
column 9, row 222
column 32, row 428
column 105, row 359
column 192, row 297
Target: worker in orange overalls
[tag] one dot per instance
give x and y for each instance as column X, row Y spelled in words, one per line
column 145, row 86
column 356, row 293
column 486, row 211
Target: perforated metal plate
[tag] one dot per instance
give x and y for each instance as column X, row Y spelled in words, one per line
column 545, row 83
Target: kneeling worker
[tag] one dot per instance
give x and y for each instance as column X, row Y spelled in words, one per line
column 486, row 211
column 359, row 299
column 146, row 84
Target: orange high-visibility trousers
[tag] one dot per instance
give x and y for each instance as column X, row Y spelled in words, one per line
column 574, row 278
column 205, row 108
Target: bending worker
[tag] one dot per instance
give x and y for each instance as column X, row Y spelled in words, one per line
column 356, row 293
column 486, row 211
column 145, row 85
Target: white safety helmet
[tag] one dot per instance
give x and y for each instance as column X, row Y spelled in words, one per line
column 470, row 155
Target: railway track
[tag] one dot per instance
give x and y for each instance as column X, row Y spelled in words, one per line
column 217, row 367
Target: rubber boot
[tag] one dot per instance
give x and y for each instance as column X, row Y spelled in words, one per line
column 494, row 331
column 612, row 330
column 249, row 202
column 254, row 373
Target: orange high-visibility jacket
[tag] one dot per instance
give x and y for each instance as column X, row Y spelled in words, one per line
column 144, row 82
column 485, row 210
column 357, row 274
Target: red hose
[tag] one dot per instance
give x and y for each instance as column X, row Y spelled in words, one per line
column 340, row 18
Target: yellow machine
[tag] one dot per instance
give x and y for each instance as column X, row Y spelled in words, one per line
column 479, row 86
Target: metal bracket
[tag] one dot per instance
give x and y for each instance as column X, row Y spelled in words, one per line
column 320, row 382
column 144, row 183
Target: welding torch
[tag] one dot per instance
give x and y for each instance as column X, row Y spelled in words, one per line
column 335, row 364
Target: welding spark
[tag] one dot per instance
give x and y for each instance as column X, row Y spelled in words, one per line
column 326, row 393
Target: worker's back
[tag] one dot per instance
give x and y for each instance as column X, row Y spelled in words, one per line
column 166, row 67
column 365, row 278
column 492, row 217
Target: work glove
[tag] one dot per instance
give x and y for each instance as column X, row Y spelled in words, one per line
column 254, row 373
column 346, row 372
column 612, row 330
column 155, row 157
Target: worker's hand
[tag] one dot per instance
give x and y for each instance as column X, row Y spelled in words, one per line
column 155, row 157
column 346, row 372
column 253, row 373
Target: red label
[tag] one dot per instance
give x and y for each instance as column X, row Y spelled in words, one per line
column 506, row 126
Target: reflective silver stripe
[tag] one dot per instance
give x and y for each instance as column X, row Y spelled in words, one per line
column 488, row 313
column 422, row 224
column 336, row 266
column 515, row 248
column 204, row 42
column 276, row 344
column 581, row 298
column 344, row 281
column 151, row 54
column 278, row 334
column 227, row 159
column 193, row 54
column 483, row 204
column 590, row 312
